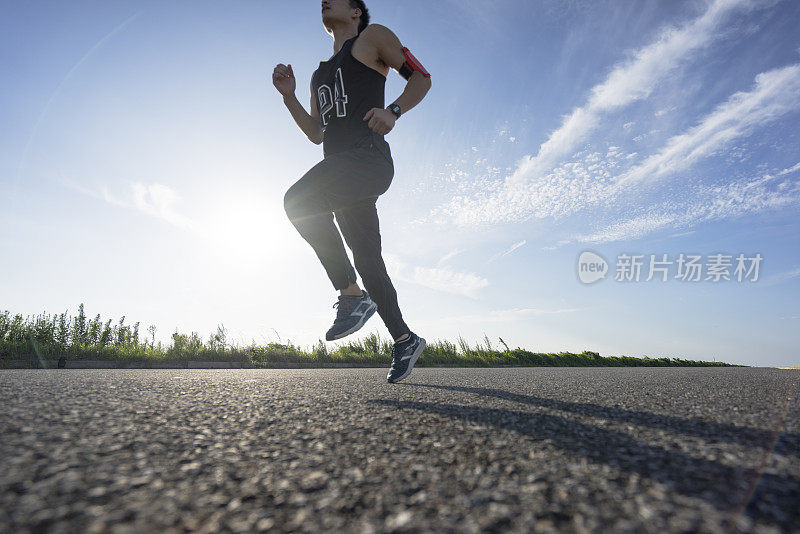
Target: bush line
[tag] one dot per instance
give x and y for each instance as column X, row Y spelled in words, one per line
column 47, row 337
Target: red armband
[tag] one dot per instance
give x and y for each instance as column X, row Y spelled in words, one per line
column 411, row 65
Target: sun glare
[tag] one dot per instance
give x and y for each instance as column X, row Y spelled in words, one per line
column 240, row 229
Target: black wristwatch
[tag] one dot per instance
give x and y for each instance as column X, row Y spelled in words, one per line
column 395, row 109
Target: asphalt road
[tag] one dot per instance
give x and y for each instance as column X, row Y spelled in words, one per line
column 467, row 450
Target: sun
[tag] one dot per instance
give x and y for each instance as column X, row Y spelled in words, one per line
column 239, row 227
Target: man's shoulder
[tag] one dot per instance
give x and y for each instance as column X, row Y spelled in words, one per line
column 375, row 27
column 376, row 32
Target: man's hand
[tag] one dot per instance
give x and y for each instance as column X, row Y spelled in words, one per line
column 283, row 79
column 381, row 121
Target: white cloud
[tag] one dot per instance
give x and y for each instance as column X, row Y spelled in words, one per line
column 706, row 203
column 156, row 200
column 507, row 251
column 449, row 281
column 442, row 279
column 682, row 234
column 630, row 81
column 537, row 189
column 793, row 168
column 782, row 277
column 79, row 188
column 629, row 229
column 597, row 179
column 449, row 256
column 571, row 187
column 159, row 201
column 776, row 93
column 560, row 243
column 645, row 135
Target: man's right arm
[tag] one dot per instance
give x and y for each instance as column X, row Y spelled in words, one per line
column 308, row 123
column 283, row 79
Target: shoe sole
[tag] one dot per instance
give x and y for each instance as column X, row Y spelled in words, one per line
column 364, row 318
column 417, row 353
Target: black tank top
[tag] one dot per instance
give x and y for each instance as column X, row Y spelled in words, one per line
column 346, row 90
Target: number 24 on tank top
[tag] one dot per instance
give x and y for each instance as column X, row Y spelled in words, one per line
column 328, row 99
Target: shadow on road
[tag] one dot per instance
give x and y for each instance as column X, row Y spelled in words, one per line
column 728, row 488
column 769, row 440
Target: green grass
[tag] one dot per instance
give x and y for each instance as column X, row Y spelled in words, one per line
column 47, row 337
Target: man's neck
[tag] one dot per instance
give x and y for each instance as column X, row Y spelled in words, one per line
column 341, row 35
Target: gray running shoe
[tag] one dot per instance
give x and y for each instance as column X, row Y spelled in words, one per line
column 404, row 355
column 351, row 315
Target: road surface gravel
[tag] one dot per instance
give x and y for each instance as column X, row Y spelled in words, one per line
column 446, row 450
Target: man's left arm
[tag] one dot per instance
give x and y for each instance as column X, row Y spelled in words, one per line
column 391, row 52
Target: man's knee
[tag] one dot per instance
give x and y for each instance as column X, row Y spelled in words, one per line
column 369, row 263
column 306, row 194
column 305, row 207
column 288, row 203
column 294, row 203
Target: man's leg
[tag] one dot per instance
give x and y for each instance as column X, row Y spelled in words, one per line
column 308, row 209
column 360, row 228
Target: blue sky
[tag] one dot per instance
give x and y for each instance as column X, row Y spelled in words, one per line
column 144, row 156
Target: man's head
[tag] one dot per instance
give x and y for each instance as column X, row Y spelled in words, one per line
column 337, row 12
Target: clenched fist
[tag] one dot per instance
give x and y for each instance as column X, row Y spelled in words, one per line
column 283, row 79
column 381, row 121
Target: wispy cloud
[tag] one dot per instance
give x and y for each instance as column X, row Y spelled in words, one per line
column 705, row 203
column 782, row 277
column 776, row 92
column 156, row 200
column 560, row 243
column 602, row 179
column 682, row 234
column 570, row 187
column 545, row 186
column 793, row 168
column 507, row 251
column 631, row 81
column 629, row 229
column 443, row 279
column 447, row 257
column 159, row 201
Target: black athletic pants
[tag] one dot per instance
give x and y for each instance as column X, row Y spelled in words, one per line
column 348, row 185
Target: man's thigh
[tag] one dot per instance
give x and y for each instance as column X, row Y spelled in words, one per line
column 346, row 178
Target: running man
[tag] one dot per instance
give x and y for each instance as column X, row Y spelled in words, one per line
column 349, row 118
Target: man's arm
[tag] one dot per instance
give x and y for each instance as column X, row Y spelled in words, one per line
column 284, row 81
column 390, row 52
column 314, row 107
column 308, row 123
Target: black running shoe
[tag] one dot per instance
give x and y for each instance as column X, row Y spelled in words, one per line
column 404, row 355
column 351, row 315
